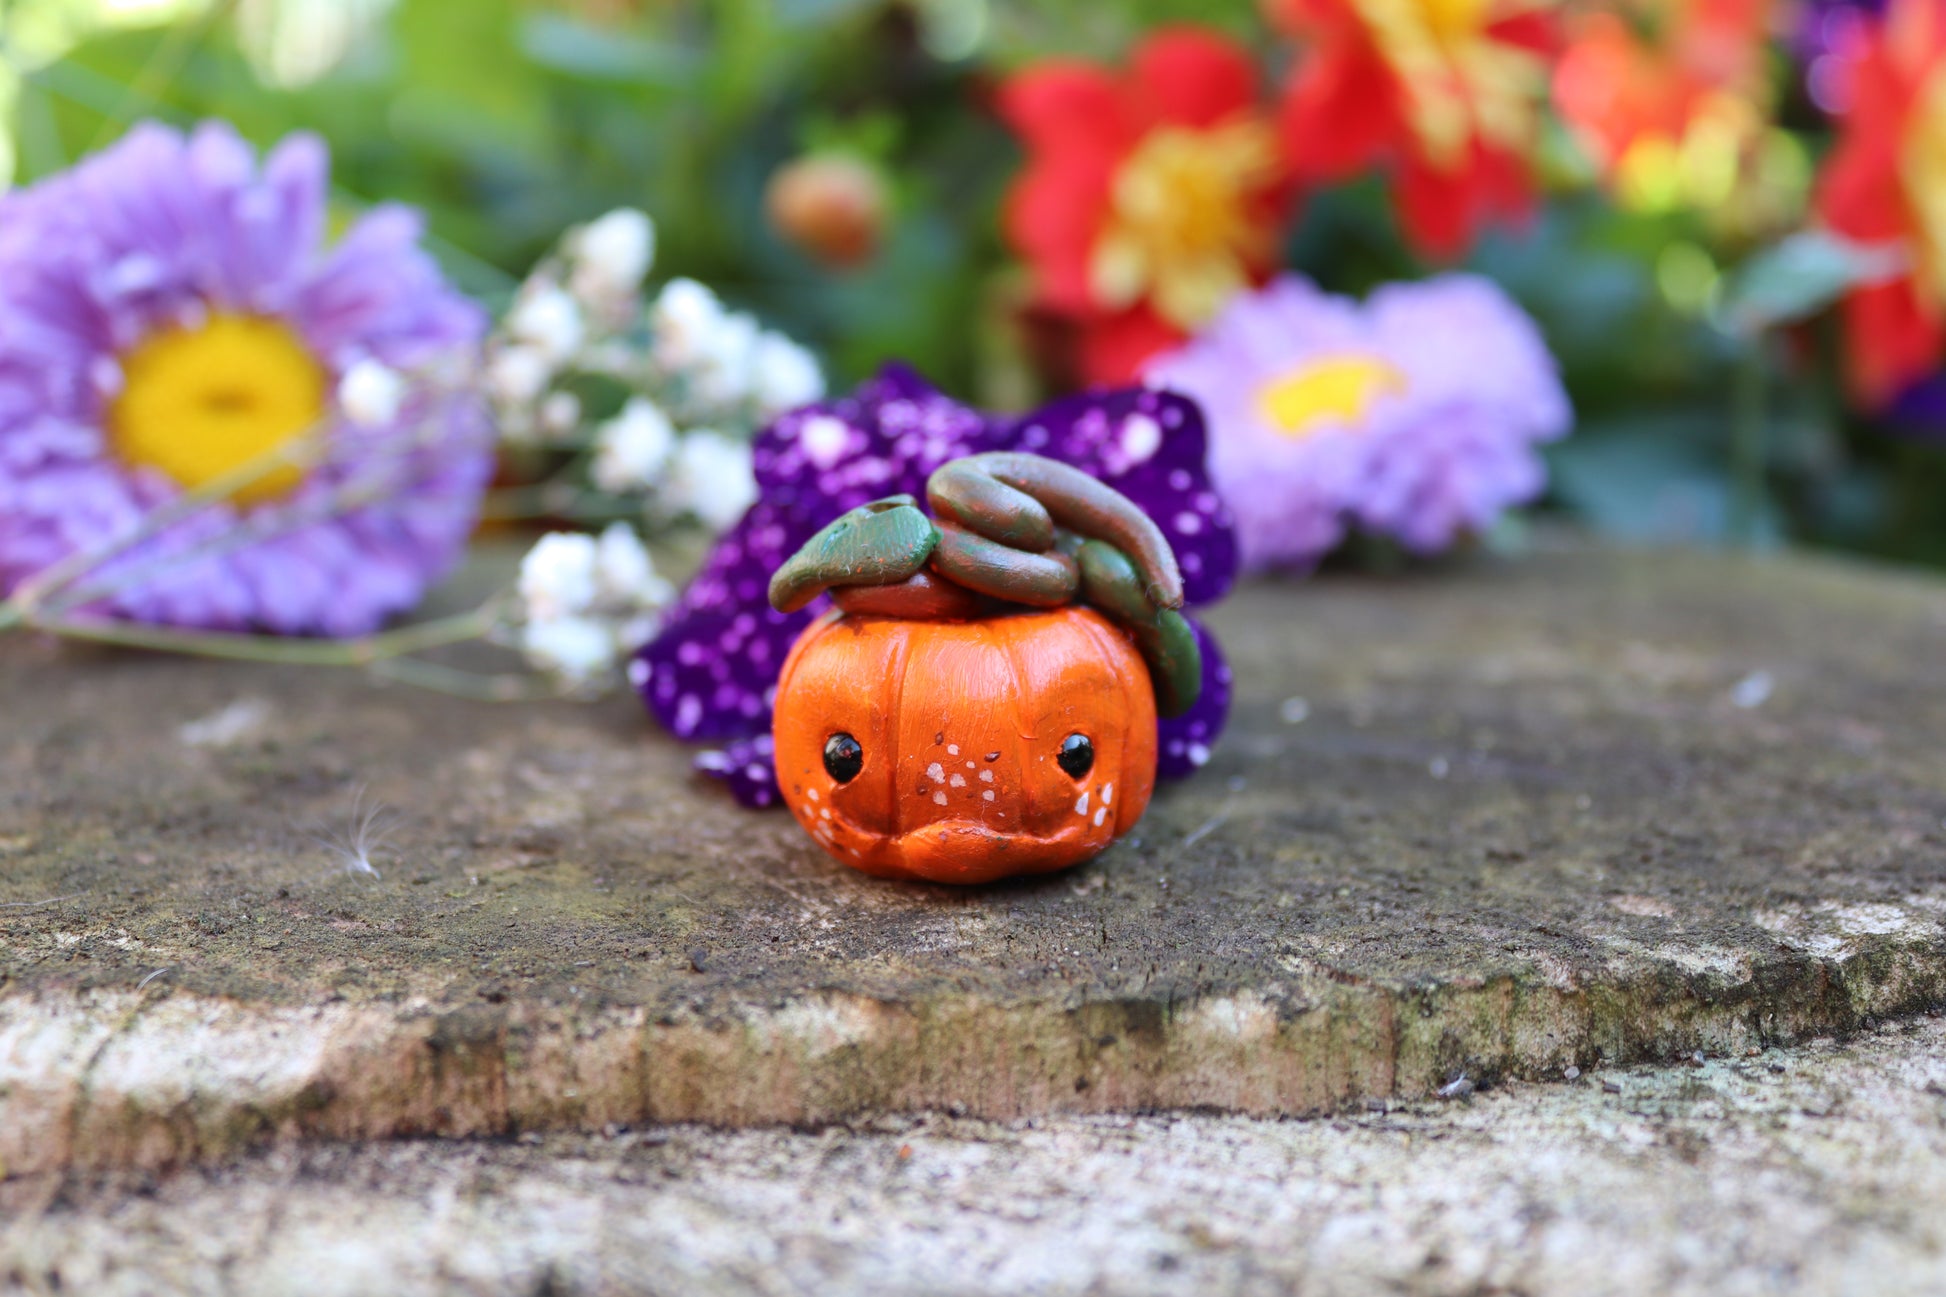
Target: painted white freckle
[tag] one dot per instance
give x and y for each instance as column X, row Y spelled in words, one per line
column 986, row 776
column 957, row 781
column 1188, row 523
column 939, row 799
column 1100, row 815
column 1107, row 794
column 971, row 765
column 1081, row 807
column 952, row 749
column 988, row 794
column 825, row 813
column 1198, row 754
column 812, row 794
column 936, row 772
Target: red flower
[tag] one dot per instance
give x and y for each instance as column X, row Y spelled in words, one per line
column 1668, row 98
column 1447, row 92
column 1149, row 198
column 1885, row 183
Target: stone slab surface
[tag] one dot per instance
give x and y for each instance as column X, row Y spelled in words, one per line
column 1490, row 822
column 1816, row 1171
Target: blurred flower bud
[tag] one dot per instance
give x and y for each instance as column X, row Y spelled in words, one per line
column 626, row 574
column 371, row 393
column 557, row 577
column 713, row 479
column 612, row 255
column 560, row 413
column 787, row 375
column 687, row 318
column 722, row 377
column 830, row 206
column 547, row 319
column 632, row 448
column 516, row 376
column 577, row 651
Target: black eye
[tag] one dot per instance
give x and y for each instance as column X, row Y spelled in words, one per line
column 1077, row 755
column 843, row 758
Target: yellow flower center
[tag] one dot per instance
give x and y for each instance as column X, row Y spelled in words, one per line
column 1339, row 390
column 1459, row 82
column 202, row 402
column 1922, row 166
column 1180, row 227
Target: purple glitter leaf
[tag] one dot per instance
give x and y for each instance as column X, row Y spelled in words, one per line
column 884, row 439
column 713, row 675
column 736, row 575
column 748, row 766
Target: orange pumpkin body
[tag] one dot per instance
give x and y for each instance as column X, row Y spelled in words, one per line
column 962, row 726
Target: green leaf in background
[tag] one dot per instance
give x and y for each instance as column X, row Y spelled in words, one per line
column 1653, row 478
column 1801, row 277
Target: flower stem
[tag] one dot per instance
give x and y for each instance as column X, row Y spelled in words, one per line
column 254, row 529
column 271, row 648
column 1747, row 448
column 439, row 678
column 299, row 452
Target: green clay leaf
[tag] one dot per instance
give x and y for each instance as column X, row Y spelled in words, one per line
column 881, row 543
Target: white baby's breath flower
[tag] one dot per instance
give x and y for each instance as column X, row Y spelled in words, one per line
column 713, row 478
column 558, row 576
column 786, row 375
column 616, row 357
column 722, row 378
column 636, row 631
column 560, row 413
column 371, row 392
column 516, row 376
column 625, row 575
column 611, row 255
column 575, row 650
column 632, row 448
column 686, row 317
column 547, row 319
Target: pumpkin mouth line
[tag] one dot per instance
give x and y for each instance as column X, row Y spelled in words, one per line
column 1003, row 838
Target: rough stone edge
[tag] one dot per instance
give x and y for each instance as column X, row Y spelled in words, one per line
column 124, row 1079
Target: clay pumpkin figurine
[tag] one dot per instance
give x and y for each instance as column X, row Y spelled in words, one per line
column 982, row 701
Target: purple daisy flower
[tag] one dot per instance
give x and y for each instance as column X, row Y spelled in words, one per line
column 1414, row 414
column 712, row 673
column 169, row 313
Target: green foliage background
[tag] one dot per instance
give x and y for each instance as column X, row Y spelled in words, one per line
column 507, row 120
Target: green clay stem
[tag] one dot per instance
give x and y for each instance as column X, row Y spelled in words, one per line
column 991, row 568
column 1110, row 582
column 1084, row 504
column 965, row 493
